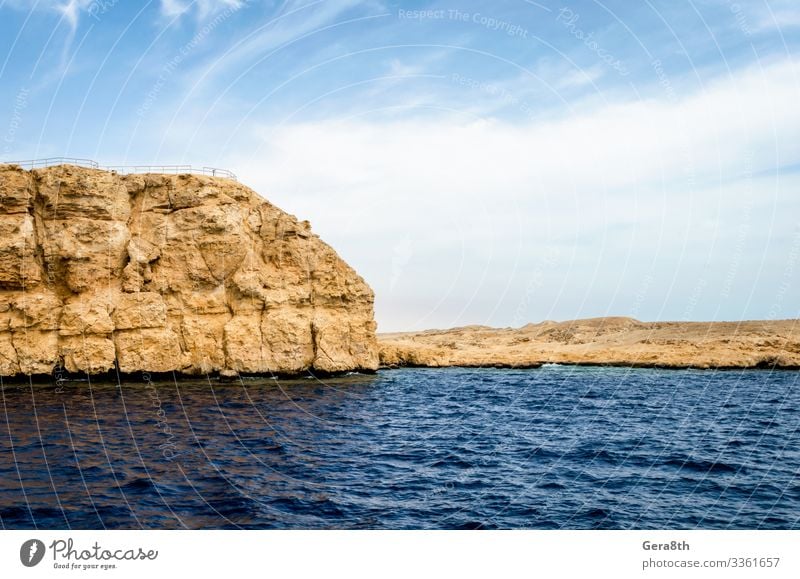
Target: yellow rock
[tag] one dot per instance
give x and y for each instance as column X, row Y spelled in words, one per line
column 602, row 341
column 164, row 273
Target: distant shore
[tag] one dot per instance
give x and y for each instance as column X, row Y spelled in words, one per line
column 613, row 341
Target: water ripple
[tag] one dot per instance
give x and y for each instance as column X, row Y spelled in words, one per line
column 556, row 447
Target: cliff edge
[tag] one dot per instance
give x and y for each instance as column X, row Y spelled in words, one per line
column 163, row 273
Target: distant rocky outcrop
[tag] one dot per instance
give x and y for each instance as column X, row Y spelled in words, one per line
column 615, row 341
column 160, row 273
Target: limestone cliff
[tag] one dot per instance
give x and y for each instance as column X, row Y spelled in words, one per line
column 166, row 273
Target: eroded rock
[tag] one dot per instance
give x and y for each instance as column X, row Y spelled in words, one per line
column 164, row 273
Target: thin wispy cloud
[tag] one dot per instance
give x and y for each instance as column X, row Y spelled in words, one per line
column 70, row 11
column 201, row 9
column 293, row 22
column 68, row 15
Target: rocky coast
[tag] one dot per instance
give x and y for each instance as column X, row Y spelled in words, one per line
column 613, row 341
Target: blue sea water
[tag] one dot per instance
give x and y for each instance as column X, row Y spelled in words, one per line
column 549, row 448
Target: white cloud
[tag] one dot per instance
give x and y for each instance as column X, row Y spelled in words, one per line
column 201, row 8
column 775, row 14
column 70, row 10
column 306, row 17
column 173, row 8
column 662, row 184
column 706, row 134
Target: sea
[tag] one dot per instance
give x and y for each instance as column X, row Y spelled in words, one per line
column 557, row 447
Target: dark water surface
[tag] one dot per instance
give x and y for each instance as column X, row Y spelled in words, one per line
column 556, row 447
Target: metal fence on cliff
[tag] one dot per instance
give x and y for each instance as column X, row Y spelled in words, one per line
column 124, row 169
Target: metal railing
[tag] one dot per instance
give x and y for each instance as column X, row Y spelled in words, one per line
column 171, row 169
column 52, row 161
column 124, row 169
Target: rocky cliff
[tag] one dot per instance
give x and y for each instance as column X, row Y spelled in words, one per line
column 163, row 273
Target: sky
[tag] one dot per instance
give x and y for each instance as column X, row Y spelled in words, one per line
column 492, row 163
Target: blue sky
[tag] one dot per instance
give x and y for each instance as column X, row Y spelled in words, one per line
column 477, row 162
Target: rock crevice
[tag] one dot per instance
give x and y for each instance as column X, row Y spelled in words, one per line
column 163, row 273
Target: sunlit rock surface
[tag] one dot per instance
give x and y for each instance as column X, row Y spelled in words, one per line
column 161, row 273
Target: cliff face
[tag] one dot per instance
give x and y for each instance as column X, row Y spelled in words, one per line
column 166, row 273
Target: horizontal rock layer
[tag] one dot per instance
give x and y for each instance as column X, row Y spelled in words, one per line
column 602, row 341
column 164, row 273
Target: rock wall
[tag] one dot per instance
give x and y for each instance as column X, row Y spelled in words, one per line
column 164, row 273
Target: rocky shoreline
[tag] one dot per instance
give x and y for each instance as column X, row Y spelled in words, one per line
column 614, row 341
column 185, row 275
